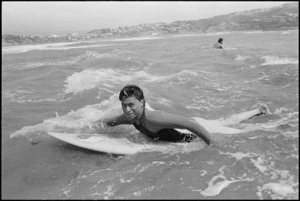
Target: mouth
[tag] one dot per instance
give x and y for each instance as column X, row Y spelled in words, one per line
column 130, row 115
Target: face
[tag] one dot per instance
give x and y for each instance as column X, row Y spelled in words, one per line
column 132, row 107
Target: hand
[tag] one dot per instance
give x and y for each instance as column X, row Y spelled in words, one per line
column 98, row 125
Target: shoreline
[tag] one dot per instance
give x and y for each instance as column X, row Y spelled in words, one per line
column 150, row 37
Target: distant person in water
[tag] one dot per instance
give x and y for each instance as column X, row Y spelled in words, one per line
column 219, row 44
column 161, row 125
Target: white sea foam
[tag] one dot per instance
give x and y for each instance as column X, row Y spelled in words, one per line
column 87, row 56
column 218, row 33
column 284, row 185
column 275, row 60
column 264, row 77
column 25, row 48
column 187, row 35
column 174, row 148
column 23, row 96
column 280, row 110
column 254, row 32
column 214, row 188
column 229, row 48
column 16, row 95
column 56, row 46
column 279, row 188
column 89, row 79
column 241, row 58
column 283, row 188
column 260, row 164
column 240, row 155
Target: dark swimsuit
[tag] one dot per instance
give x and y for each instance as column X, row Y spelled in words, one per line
column 167, row 134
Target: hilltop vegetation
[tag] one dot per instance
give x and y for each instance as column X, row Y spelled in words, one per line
column 284, row 17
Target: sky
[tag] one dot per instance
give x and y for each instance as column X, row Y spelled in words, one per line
column 55, row 17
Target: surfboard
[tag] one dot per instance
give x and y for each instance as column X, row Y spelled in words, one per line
column 104, row 143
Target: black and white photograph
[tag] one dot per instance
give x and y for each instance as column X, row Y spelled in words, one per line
column 150, row 100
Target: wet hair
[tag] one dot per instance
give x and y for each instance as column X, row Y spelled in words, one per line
column 220, row 40
column 131, row 90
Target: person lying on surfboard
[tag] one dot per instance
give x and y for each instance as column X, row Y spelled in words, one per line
column 156, row 124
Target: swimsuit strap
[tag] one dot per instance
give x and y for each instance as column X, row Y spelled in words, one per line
column 141, row 126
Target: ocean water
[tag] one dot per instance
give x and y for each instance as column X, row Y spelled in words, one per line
column 65, row 87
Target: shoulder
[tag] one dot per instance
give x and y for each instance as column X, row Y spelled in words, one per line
column 217, row 45
column 152, row 114
column 113, row 121
column 164, row 117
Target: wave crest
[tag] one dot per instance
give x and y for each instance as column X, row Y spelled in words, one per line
column 89, row 79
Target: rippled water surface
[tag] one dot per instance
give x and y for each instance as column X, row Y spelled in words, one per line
column 65, row 87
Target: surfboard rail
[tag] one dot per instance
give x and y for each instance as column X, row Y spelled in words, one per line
column 101, row 143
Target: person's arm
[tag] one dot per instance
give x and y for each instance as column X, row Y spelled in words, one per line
column 167, row 120
column 113, row 121
column 199, row 130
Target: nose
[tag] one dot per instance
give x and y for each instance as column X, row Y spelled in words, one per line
column 126, row 108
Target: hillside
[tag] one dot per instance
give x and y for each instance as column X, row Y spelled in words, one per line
column 276, row 18
column 284, row 17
